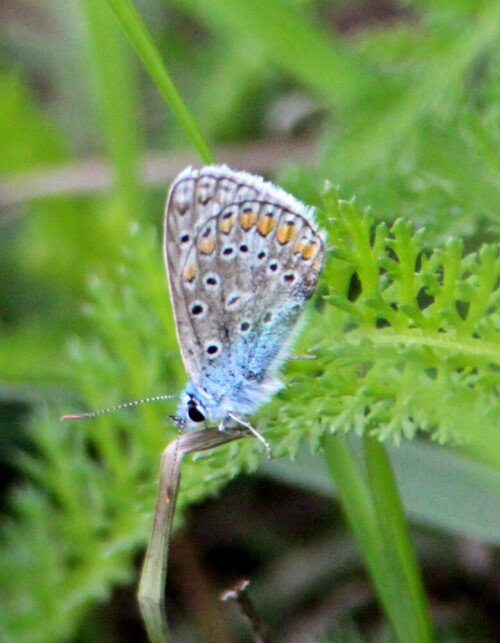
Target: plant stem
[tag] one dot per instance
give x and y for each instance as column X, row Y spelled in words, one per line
column 392, row 572
column 391, row 518
column 140, row 38
column 151, row 592
column 117, row 100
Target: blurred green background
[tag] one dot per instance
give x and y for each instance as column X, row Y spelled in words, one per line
column 397, row 103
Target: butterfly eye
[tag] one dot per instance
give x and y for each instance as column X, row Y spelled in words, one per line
column 194, row 413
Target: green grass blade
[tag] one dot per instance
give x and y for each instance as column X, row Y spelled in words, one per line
column 356, row 502
column 135, row 29
column 118, row 100
column 391, row 519
column 359, row 506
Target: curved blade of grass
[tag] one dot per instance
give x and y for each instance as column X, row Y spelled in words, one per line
column 139, row 36
column 154, row 573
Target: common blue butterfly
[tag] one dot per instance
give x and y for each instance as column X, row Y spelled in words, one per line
column 243, row 257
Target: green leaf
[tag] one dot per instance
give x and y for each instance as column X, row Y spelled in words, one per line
column 145, row 47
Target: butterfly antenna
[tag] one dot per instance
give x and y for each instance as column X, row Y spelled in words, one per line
column 125, row 405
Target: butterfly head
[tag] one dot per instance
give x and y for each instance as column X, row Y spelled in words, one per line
column 192, row 411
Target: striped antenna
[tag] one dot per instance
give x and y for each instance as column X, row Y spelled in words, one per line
column 125, row 405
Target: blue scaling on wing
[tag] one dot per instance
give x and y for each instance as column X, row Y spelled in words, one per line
column 243, row 257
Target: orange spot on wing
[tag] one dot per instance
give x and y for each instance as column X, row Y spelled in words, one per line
column 207, row 245
column 226, row 224
column 265, row 225
column 190, row 272
column 310, row 250
column 300, row 246
column 248, row 219
column 286, row 232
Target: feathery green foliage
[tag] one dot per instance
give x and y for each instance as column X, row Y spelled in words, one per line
column 413, row 341
column 404, row 325
column 388, row 366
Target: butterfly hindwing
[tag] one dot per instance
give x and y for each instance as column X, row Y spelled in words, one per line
column 243, row 258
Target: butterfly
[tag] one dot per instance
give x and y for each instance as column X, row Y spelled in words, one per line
column 242, row 257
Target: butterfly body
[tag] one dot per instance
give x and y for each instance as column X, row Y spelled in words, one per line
column 243, row 257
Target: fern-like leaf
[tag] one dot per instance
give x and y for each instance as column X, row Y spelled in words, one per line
column 419, row 347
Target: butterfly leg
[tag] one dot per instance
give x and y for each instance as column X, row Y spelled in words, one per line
column 250, row 428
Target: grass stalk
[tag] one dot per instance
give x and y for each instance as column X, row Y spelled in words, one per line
column 394, row 530
column 140, row 38
column 390, row 565
column 118, row 100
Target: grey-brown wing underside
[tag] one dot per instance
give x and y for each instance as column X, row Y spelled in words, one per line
column 243, row 257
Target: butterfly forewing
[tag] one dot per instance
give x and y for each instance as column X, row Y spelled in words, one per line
column 243, row 257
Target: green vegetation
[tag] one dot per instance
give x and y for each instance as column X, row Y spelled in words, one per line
column 405, row 114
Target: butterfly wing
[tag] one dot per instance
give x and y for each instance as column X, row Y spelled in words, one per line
column 243, row 258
